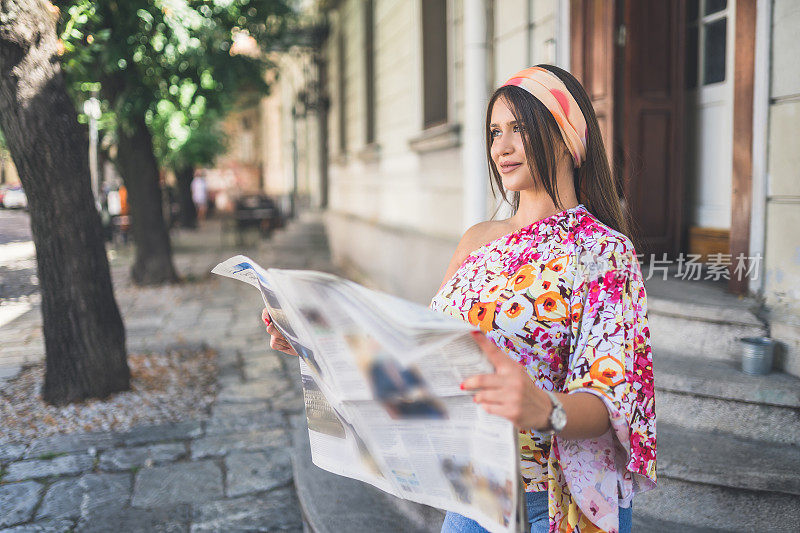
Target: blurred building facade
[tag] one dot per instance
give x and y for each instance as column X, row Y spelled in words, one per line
column 274, row 145
column 697, row 101
column 399, row 145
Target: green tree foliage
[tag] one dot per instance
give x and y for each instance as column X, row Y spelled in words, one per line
column 183, row 138
column 145, row 51
column 167, row 70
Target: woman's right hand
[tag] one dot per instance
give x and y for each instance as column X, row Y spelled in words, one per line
column 277, row 340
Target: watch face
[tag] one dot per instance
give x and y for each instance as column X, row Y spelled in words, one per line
column 558, row 419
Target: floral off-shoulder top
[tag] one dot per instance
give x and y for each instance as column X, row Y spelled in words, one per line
column 564, row 297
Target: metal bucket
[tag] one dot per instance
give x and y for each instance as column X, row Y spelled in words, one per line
column 757, row 353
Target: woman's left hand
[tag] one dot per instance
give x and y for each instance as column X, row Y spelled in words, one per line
column 509, row 392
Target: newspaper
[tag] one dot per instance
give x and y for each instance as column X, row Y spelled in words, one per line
column 381, row 382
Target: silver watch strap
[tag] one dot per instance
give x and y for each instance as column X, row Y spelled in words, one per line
column 550, row 430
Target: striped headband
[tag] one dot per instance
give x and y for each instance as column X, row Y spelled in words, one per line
column 551, row 91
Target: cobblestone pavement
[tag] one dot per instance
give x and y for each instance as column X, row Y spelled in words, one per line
column 229, row 472
column 19, row 290
column 14, row 226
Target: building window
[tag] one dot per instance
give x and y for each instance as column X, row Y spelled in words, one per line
column 706, row 29
column 342, row 92
column 369, row 67
column 434, row 59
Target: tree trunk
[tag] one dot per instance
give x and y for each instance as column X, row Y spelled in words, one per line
column 184, row 176
column 83, row 331
column 139, row 170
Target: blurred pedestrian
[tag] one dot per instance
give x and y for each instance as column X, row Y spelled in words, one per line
column 105, row 215
column 124, row 216
column 200, row 196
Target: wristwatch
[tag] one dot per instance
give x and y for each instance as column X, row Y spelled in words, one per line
column 558, row 417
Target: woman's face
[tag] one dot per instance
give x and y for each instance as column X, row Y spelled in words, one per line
column 508, row 151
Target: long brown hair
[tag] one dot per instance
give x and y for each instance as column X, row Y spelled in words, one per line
column 594, row 183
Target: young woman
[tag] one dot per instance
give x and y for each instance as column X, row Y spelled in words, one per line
column 557, row 293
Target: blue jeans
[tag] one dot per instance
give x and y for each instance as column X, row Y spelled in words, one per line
column 537, row 517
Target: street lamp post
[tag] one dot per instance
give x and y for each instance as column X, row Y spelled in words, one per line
column 293, row 204
column 92, row 109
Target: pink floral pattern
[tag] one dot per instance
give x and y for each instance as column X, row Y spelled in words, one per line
column 565, row 297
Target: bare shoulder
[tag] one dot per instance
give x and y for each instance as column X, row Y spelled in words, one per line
column 475, row 237
column 481, row 233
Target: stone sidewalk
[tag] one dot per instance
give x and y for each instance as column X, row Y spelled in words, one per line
column 229, row 472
